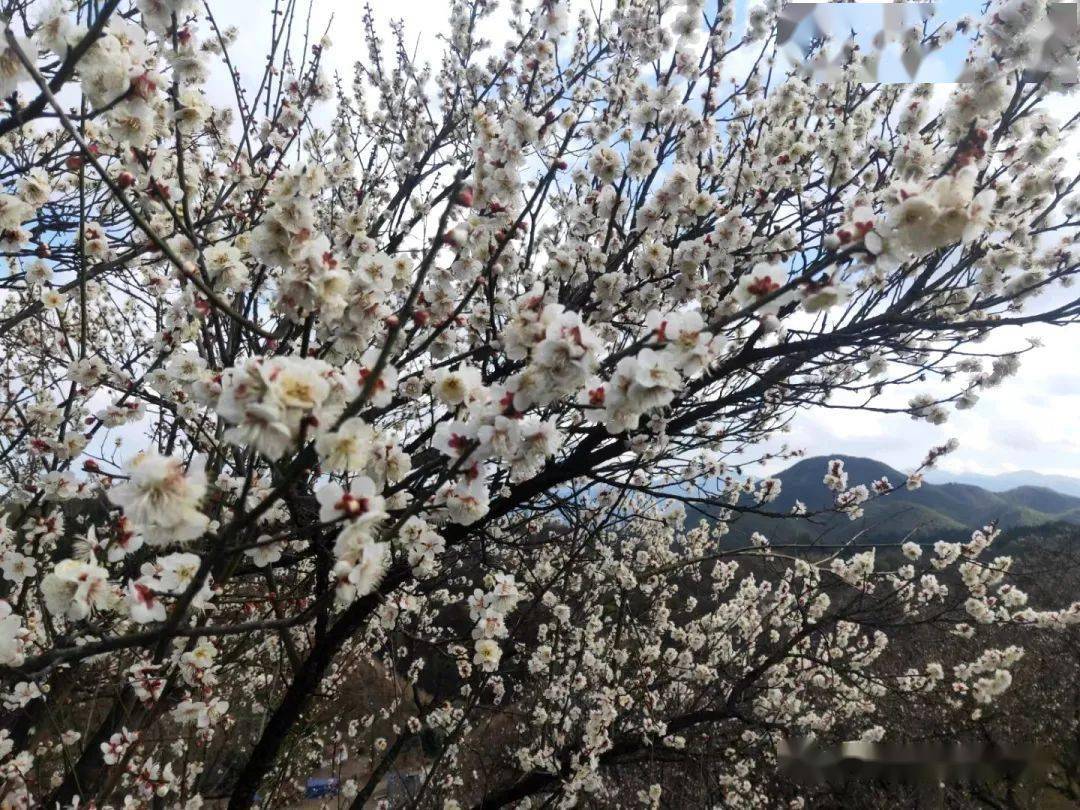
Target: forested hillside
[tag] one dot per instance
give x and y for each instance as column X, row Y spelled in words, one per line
column 932, row 510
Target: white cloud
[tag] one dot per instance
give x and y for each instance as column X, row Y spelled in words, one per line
column 1028, row 422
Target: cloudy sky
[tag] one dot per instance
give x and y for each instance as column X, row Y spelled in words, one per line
column 1031, row 421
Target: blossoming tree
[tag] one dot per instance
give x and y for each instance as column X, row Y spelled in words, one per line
column 434, row 369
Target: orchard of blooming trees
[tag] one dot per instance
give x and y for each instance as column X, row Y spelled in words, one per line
column 417, row 383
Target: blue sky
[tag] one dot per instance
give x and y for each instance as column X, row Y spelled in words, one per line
column 863, row 21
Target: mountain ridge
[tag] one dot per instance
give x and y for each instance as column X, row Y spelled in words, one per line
column 1002, row 482
column 933, row 511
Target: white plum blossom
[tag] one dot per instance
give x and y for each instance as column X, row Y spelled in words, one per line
column 444, row 403
column 488, row 654
column 349, row 448
column 272, row 402
column 74, row 589
column 456, row 386
column 761, row 289
column 359, row 504
column 144, row 603
column 12, row 637
column 161, row 498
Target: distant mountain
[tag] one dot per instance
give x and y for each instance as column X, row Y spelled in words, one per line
column 934, row 511
column 1010, row 480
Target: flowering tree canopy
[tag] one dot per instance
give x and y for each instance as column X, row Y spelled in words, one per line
column 417, row 382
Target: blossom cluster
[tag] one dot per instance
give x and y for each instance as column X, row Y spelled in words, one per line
column 422, row 382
